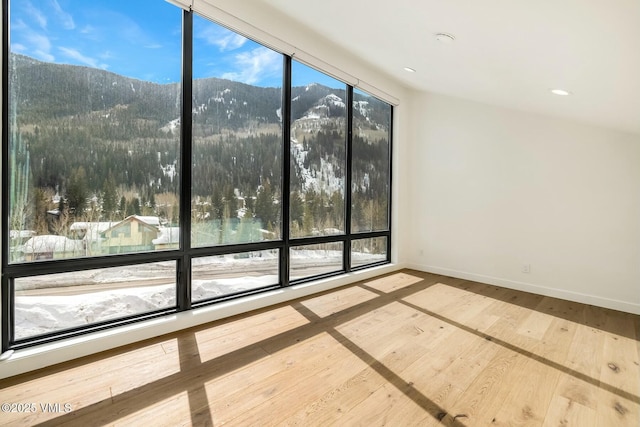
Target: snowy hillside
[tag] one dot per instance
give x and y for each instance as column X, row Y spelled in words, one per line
column 324, row 180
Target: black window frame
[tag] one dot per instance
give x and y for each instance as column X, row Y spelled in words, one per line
column 183, row 255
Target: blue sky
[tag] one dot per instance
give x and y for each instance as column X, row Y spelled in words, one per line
column 142, row 39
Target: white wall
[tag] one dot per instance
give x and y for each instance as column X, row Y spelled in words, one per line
column 494, row 189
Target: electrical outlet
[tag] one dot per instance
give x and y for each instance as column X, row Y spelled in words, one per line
column 526, row 268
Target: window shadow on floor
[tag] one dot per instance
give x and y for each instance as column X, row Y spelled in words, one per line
column 195, row 373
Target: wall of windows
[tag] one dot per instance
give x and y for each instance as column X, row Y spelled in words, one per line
column 155, row 161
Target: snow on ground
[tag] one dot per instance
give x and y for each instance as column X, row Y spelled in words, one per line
column 202, row 289
column 169, row 170
column 36, row 315
column 171, row 127
column 361, row 106
column 300, row 255
column 39, row 314
column 360, row 258
column 98, row 276
column 334, row 100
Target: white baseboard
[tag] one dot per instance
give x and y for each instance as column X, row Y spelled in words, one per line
column 529, row 287
column 44, row 355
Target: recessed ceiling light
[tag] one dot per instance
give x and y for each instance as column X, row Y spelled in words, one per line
column 560, row 92
column 409, row 69
column 444, row 37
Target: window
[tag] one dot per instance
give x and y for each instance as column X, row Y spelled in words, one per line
column 236, row 189
column 92, row 102
column 121, row 230
column 156, row 161
column 315, row 260
column 222, row 275
column 368, row 251
column 318, row 141
column 371, row 161
column 58, row 302
column 92, row 161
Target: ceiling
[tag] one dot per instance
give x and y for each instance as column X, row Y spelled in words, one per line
column 506, row 53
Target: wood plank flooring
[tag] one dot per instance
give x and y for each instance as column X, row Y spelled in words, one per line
column 405, row 349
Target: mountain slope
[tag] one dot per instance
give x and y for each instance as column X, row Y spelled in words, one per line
column 85, row 122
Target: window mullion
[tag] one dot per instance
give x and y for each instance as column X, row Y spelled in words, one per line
column 389, row 181
column 286, row 172
column 347, row 181
column 186, row 149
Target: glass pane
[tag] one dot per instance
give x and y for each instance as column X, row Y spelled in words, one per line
column 370, row 165
column 93, row 115
column 237, row 138
column 214, row 276
column 368, row 251
column 313, row 260
column 318, row 137
column 61, row 301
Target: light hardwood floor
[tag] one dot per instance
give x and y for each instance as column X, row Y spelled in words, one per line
column 409, row 348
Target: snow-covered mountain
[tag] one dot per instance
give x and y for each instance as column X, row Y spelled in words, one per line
column 110, row 124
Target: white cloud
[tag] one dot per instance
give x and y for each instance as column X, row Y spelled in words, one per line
column 19, row 25
column 30, row 42
column 225, row 39
column 255, row 65
column 17, row 47
column 153, row 46
column 65, row 18
column 87, row 29
column 43, row 56
column 36, row 14
column 86, row 60
column 231, row 42
column 40, row 45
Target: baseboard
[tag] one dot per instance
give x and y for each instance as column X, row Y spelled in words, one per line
column 49, row 354
column 529, row 287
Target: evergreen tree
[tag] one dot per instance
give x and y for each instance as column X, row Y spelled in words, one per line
column 264, row 207
column 133, row 207
column 297, row 209
column 217, row 204
column 77, row 191
column 122, row 206
column 41, row 206
column 109, row 198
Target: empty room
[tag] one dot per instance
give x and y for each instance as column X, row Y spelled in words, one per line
column 344, row 213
